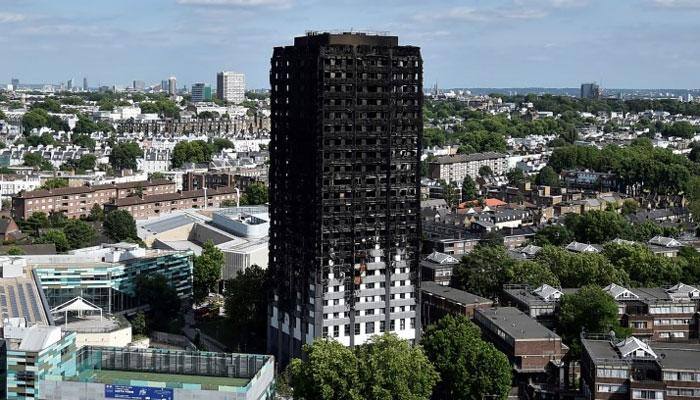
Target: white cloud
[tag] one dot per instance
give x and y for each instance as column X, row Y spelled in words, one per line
column 239, row 3
column 11, row 17
column 678, row 4
column 470, row 14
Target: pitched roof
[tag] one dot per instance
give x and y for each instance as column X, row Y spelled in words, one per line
column 617, row 291
column 547, row 293
column 441, row 258
column 631, row 346
column 579, row 247
column 664, row 241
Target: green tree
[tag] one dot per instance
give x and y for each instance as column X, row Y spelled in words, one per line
column 37, row 221
column 589, row 309
column 329, row 372
column 56, row 237
column 15, row 251
column 219, row 144
column 154, row 290
column 469, row 190
column 207, row 271
column 154, row 176
column 580, row 269
column 124, row 155
column 246, row 307
column 485, row 171
column 391, row 369
column 682, row 129
column 547, row 177
column 54, row 183
column 516, row 177
column 256, row 193
column 57, row 219
column 119, row 225
column 629, row 206
column 598, row 226
column 484, row 271
column 96, row 213
column 79, row 233
column 556, row 235
column 644, row 268
column 449, row 193
column 84, row 141
column 532, row 273
column 469, row 367
column 196, row 151
column 138, row 324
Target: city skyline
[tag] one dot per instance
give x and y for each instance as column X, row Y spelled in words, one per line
column 505, row 43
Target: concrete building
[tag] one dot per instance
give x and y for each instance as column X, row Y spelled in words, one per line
column 85, row 85
column 172, row 86
column 454, row 168
column 591, row 91
column 138, row 86
column 629, row 369
column 76, row 202
column 344, row 232
column 230, row 87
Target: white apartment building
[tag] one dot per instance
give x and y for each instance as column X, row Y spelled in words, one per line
column 230, row 86
column 455, row 168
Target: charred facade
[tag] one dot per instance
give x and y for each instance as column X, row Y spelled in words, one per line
column 344, row 190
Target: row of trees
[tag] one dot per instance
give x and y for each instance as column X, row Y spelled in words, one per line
column 489, row 267
column 656, row 169
column 198, row 151
column 452, row 362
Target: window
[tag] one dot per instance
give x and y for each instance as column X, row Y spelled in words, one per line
column 369, row 327
column 612, row 389
column 612, row 373
column 336, row 330
column 647, row 394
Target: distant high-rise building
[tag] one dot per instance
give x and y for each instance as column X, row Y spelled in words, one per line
column 230, row 86
column 591, row 91
column 70, row 84
column 197, row 92
column 15, row 83
column 164, row 86
column 85, row 85
column 139, row 86
column 172, row 86
column 346, row 115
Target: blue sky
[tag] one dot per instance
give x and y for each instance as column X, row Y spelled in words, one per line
column 467, row 43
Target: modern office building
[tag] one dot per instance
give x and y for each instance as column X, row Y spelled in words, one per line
column 106, row 275
column 591, row 91
column 15, row 83
column 344, row 190
column 85, row 85
column 230, row 86
column 199, row 92
column 69, row 84
column 172, row 86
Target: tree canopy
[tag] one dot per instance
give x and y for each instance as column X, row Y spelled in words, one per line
column 207, row 271
column 124, row 155
column 469, row 367
column 119, row 225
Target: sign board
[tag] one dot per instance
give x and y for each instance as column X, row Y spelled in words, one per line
column 137, row 392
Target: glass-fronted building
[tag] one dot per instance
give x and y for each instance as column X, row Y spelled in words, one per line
column 108, row 281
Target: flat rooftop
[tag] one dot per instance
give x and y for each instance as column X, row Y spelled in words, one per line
column 515, row 323
column 452, row 294
column 127, row 377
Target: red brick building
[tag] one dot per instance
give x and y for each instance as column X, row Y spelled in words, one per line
column 76, row 202
column 154, row 205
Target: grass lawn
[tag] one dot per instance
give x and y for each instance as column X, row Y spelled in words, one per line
column 112, row 376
